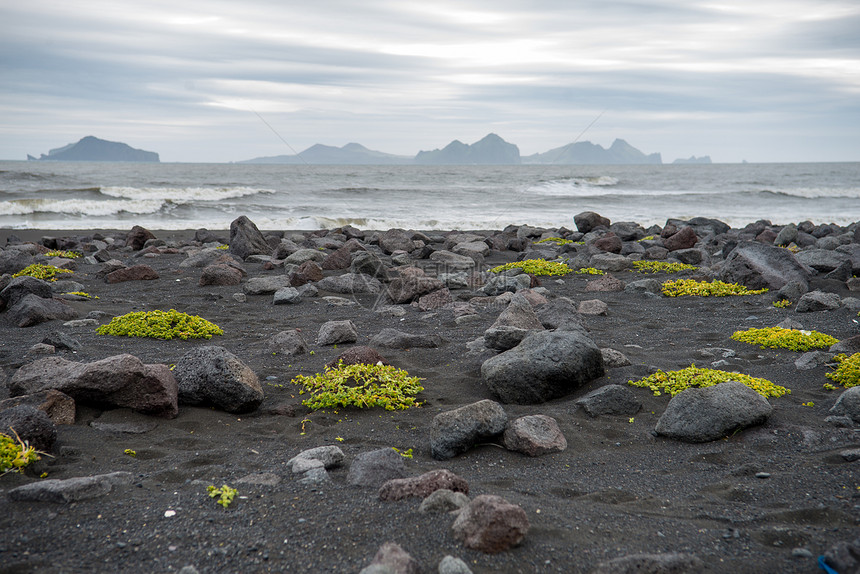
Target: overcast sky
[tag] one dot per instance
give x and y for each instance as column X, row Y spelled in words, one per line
column 762, row 80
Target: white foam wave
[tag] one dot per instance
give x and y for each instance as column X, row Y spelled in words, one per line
column 818, row 192
column 182, row 194
column 79, row 207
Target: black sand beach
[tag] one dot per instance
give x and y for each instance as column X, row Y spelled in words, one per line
column 769, row 498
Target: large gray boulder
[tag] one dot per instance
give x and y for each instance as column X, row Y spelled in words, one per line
column 20, row 287
column 546, row 365
column 375, row 468
column 349, row 283
column 512, row 325
column 711, row 413
column 118, row 381
column 214, row 376
column 33, row 310
column 31, row 425
column 610, row 400
column 848, row 404
column 246, row 239
column 456, row 431
column 758, row 265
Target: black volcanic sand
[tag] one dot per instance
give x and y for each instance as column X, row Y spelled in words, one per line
column 617, row 489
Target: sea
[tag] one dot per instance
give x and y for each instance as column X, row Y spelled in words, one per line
column 171, row 196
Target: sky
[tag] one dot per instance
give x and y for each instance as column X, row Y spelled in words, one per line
column 216, row 81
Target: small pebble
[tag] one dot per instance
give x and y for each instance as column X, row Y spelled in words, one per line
column 762, row 475
column 802, row 553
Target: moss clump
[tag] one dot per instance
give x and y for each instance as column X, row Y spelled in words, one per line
column 692, row 287
column 535, row 267
column 589, row 271
column 43, row 272
column 160, row 325
column 223, row 247
column 664, row 266
column 82, row 294
column 847, row 372
column 782, row 303
column 779, row 338
column 225, row 494
column 673, row 382
column 362, row 386
column 63, row 254
column 15, row 454
column 556, row 240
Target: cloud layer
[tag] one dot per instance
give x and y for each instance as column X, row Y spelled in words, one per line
column 764, row 81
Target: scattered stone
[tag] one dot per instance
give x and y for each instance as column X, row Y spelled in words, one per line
column 33, row 310
column 30, row 424
column 844, row 557
column 668, row 563
column 337, row 332
column 214, row 376
column 491, row 524
column 120, row 381
column 375, row 468
column 812, row 359
column 246, row 239
column 367, row 263
column 456, row 431
column 396, row 240
column 406, row 290
column 610, row 262
column 443, row 500
column 607, row 283
column 59, row 407
column 133, row 273
column 613, row 359
column 20, row 287
column 422, row 486
column 70, row 489
column 392, row 559
column 818, row 301
column 349, row 283
column 307, row 272
column 848, row 404
column 685, row 238
column 588, row 220
column 265, row 285
column 610, row 400
column 137, row 237
column 505, row 283
column 327, row 456
column 303, row 255
column 394, row 339
column 711, row 413
column 561, row 314
column 609, row 243
column 757, row 266
column 452, row 565
column 435, row 300
column 534, row 435
column 358, row 355
column 220, row 274
column 593, row 307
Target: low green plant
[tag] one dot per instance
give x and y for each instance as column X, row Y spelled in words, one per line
column 647, row 238
column 556, row 240
column 82, row 294
column 673, row 382
column 782, row 303
column 223, row 247
column 130, row 452
column 589, row 271
column 40, row 271
column 362, row 386
column 63, row 254
column 664, row 266
column 404, row 453
column 15, row 453
column 160, row 325
column 691, row 287
column 535, row 267
column 847, row 372
column 225, row 494
column 779, row 338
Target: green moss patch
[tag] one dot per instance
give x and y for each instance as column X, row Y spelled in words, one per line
column 691, row 287
column 15, row 454
column 160, row 325
column 535, row 267
column 556, row 240
column 661, row 266
column 362, row 386
column 847, row 372
column 40, row 271
column 589, row 271
column 673, row 382
column 63, row 254
column 779, row 338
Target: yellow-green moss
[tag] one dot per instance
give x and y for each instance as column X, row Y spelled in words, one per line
column 779, row 338
column 664, row 266
column 362, row 386
column 223, row 247
column 40, row 271
column 160, row 325
column 82, row 294
column 225, row 494
column 589, row 271
column 63, row 254
column 673, row 382
column 556, row 240
column 847, row 372
column 782, row 303
column 15, row 454
column 692, row 287
column 535, row 267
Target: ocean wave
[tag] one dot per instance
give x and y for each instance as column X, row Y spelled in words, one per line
column 181, row 194
column 79, row 207
column 814, row 192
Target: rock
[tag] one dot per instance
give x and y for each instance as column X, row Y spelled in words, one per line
column 628, row 230
column 610, row 400
column 792, row 291
column 607, row 283
column 406, row 290
column 848, row 404
column 392, row 559
column 305, row 255
column 337, row 332
column 610, row 262
column 137, row 237
column 246, row 239
column 20, row 287
column 396, row 240
column 118, row 381
column 13, row 260
column 70, row 489
column 375, row 468
column 691, row 256
column 443, row 500
column 358, row 355
column 786, row 235
column 593, row 307
column 31, row 425
column 286, row 296
column 544, row 366
column 59, row 407
column 757, row 265
column 613, row 359
column 685, row 238
column 394, row 339
column 456, row 431
column 422, row 486
column 451, row 565
column 340, row 258
column 326, row 456
column 435, row 300
column 60, row 340
column 711, row 413
column 848, row 346
column 609, row 243
column 475, row 250
column 368, row 264
column 288, row 342
column 818, row 301
column 220, row 274
column 811, row 360
column 33, row 310
column 504, row 337
column 668, row 563
column 133, row 273
column 844, row 557
column 822, row 260
column 505, row 283
column 588, row 220
column 561, row 314
column 490, row 524
column 213, row 375
column 534, row 435
column 265, row 285
column 448, row 262
column 350, row 283
column 307, row 272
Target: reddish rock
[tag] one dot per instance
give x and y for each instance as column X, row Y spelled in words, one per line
column 137, row 237
column 491, row 524
column 220, row 274
column 605, row 284
column 359, row 355
column 392, row 558
column 60, row 407
column 766, row 236
column 435, row 300
column 423, row 486
column 684, row 239
column 133, row 273
column 534, row 435
column 588, row 220
column 609, row 243
column 307, row 272
column 532, row 297
column 407, row 290
column 338, row 259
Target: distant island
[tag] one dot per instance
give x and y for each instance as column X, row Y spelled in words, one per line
column 491, row 150
column 92, row 148
column 693, row 160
